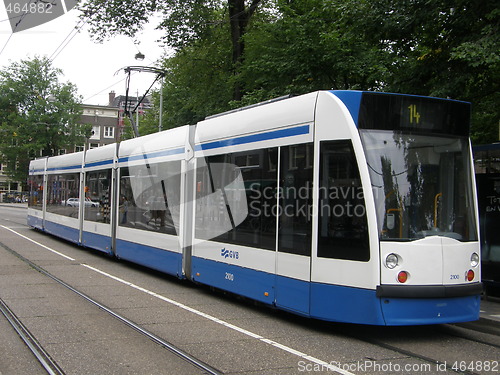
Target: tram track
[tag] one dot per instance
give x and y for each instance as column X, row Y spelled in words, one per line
column 369, row 339
column 482, row 326
column 49, row 364
column 420, row 346
column 438, row 364
column 457, row 331
column 31, row 342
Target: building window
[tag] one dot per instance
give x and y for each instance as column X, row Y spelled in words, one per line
column 96, row 132
column 109, row 132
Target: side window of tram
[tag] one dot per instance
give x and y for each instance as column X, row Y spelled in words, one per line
column 235, row 198
column 97, row 196
column 36, row 192
column 63, row 194
column 343, row 229
column 150, row 197
column 296, row 173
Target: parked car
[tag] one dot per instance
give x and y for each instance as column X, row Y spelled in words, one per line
column 75, row 202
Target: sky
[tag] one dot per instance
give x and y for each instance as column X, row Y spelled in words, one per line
column 96, row 69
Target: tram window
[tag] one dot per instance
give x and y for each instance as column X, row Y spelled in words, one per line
column 97, row 194
column 343, row 229
column 236, row 198
column 150, row 197
column 35, row 200
column 295, row 219
column 63, row 191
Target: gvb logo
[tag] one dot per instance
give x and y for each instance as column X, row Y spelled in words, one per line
column 25, row 14
column 229, row 254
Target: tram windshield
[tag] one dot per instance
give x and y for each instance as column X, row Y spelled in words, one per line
column 421, row 184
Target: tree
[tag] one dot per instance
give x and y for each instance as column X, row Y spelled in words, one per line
column 291, row 47
column 184, row 22
column 39, row 115
column 304, row 46
column 444, row 48
column 240, row 52
column 199, row 80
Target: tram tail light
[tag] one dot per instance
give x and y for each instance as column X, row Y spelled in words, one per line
column 403, row 277
column 470, row 275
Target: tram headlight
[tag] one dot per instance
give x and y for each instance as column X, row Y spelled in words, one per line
column 474, row 260
column 391, row 261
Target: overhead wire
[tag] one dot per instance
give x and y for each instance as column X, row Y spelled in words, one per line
column 105, row 89
column 64, row 44
column 11, row 18
column 114, row 84
column 15, row 27
column 74, row 31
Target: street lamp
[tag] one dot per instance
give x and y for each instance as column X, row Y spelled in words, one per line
column 140, row 57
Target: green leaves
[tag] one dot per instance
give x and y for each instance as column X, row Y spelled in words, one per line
column 38, row 114
column 235, row 52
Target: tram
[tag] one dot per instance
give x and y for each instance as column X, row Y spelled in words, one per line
column 487, row 168
column 344, row 206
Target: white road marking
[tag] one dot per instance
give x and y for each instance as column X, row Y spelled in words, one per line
column 37, row 243
column 322, row 364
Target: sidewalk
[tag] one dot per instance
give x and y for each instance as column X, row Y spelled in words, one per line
column 16, row 205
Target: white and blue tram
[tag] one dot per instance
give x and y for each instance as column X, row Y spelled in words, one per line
column 344, row 206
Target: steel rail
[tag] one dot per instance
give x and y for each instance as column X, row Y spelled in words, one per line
column 36, row 348
column 158, row 340
column 412, row 354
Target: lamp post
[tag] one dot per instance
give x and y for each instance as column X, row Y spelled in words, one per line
column 160, row 123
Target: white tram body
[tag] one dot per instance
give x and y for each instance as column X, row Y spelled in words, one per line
column 344, row 206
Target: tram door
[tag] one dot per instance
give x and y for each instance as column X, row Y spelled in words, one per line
column 97, row 207
column 293, row 263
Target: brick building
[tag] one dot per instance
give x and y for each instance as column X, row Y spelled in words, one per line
column 104, row 121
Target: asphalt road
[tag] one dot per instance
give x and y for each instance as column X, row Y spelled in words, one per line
column 233, row 336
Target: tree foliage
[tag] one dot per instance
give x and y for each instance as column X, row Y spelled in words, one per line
column 185, row 22
column 443, row 48
column 38, row 116
column 238, row 52
column 310, row 45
